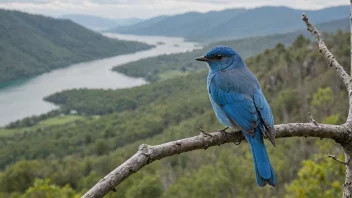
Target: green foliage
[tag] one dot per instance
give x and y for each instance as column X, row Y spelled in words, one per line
column 147, row 187
column 323, row 97
column 333, row 119
column 20, row 177
column 323, row 101
column 101, row 147
column 286, row 104
column 44, row 189
column 33, row 44
column 319, row 177
column 300, row 42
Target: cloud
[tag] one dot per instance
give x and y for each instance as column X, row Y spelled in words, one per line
column 150, row 8
column 214, row 2
column 26, row 1
column 115, row 2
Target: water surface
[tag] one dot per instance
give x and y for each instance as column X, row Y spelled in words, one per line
column 24, row 98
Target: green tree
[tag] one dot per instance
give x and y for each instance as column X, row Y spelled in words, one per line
column 319, row 177
column 20, row 176
column 148, row 186
column 42, row 188
column 101, row 147
column 323, row 101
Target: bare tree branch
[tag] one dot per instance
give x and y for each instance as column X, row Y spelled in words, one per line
column 147, row 154
column 338, row 160
column 333, row 62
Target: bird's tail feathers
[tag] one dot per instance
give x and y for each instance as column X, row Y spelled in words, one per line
column 262, row 167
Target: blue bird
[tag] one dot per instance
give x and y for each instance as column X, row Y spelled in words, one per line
column 238, row 102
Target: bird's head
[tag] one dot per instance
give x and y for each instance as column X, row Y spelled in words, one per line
column 222, row 57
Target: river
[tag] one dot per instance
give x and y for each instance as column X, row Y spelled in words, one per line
column 25, row 98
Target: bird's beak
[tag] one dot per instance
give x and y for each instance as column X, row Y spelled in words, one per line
column 202, row 58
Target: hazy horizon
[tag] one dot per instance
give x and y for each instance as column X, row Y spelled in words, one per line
column 115, row 9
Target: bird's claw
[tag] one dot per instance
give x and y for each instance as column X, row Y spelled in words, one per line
column 224, row 133
column 238, row 142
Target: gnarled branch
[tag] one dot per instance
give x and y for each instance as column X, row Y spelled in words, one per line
column 147, row 154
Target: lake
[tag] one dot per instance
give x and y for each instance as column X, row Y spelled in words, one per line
column 24, row 98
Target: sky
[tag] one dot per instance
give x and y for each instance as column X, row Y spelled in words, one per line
column 150, row 8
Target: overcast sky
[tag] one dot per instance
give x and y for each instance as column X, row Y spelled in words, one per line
column 150, row 8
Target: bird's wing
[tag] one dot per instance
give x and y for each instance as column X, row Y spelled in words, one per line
column 238, row 107
column 265, row 114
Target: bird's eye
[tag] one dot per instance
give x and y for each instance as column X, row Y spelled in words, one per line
column 218, row 57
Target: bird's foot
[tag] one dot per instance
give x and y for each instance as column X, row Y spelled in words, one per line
column 224, row 133
column 203, row 132
column 238, row 142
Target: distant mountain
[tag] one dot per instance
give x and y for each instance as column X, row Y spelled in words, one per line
column 33, row 44
column 232, row 23
column 100, row 23
column 141, row 25
column 333, row 25
column 127, row 21
column 166, row 66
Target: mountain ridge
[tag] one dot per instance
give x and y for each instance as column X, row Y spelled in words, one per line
column 234, row 23
column 99, row 23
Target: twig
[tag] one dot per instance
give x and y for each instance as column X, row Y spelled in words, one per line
column 312, row 119
column 338, row 160
column 203, row 132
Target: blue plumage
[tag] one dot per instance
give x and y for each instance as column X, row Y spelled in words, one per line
column 238, row 102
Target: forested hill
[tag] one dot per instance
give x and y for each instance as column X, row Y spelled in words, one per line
column 232, row 23
column 33, row 44
column 65, row 155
